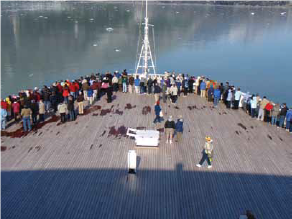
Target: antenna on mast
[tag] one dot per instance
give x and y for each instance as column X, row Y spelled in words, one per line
column 145, row 62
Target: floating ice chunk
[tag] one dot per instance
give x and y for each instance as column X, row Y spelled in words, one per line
column 283, row 13
column 252, row 13
column 40, row 16
column 68, row 17
column 30, row 75
column 109, row 29
column 177, row 12
column 91, row 19
column 163, row 6
column 117, row 50
column 95, row 44
column 128, row 10
column 46, row 17
column 76, row 22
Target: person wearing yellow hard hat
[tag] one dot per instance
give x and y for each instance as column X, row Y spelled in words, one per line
column 207, row 152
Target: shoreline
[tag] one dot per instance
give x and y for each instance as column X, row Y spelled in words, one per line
column 288, row 6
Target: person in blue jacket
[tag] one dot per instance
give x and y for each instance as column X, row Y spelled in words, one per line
column 90, row 95
column 217, row 95
column 203, row 89
column 137, row 85
column 157, row 110
column 179, row 128
column 3, row 114
column 289, row 120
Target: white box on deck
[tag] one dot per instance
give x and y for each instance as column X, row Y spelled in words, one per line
column 149, row 138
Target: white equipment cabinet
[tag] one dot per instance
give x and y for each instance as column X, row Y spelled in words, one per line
column 147, row 138
column 132, row 161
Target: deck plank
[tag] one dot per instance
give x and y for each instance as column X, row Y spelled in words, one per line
column 80, row 171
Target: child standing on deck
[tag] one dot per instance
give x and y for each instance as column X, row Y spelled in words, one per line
column 207, row 153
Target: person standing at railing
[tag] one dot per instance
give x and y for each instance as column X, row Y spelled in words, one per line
column 3, row 118
column 137, row 85
column 124, row 82
column 26, row 113
column 263, row 104
column 289, row 120
column 217, row 96
column 131, row 84
column 283, row 113
column 203, row 88
column 275, row 114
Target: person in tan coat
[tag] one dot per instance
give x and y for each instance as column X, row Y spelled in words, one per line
column 42, row 111
column 62, row 108
column 26, row 114
column 263, row 104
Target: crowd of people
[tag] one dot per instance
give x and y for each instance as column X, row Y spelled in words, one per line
column 33, row 106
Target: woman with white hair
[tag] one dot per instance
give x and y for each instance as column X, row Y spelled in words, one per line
column 169, row 129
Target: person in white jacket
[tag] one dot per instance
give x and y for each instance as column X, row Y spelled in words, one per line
column 173, row 93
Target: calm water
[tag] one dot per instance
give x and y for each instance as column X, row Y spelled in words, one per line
column 43, row 42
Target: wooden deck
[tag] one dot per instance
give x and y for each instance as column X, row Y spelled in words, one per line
column 79, row 170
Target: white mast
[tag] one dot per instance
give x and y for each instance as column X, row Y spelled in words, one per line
column 145, row 54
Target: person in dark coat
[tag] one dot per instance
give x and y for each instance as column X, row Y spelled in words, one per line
column 210, row 93
column 35, row 110
column 149, row 85
column 71, row 108
column 109, row 93
column 54, row 101
column 169, row 129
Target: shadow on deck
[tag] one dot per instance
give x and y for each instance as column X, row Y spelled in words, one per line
column 113, row 193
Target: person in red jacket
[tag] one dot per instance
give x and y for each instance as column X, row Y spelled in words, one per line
column 73, row 89
column 4, row 105
column 66, row 93
column 16, row 110
column 94, row 87
column 268, row 109
column 77, row 88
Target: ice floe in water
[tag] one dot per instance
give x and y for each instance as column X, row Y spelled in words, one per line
column 76, row 22
column 68, row 17
column 252, row 13
column 95, row 44
column 91, row 19
column 109, row 29
column 41, row 16
column 177, row 12
column 128, row 10
column 283, row 13
column 117, row 50
column 30, row 75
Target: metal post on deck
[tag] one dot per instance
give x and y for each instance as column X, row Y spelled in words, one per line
column 132, row 161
